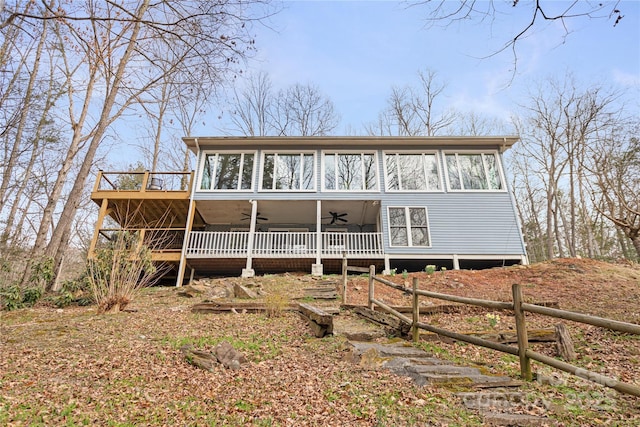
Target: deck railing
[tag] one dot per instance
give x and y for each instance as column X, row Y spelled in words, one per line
column 143, row 181
column 218, row 244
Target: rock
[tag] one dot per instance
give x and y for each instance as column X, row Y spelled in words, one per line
column 371, row 359
column 201, row 359
column 229, row 356
column 243, row 292
column 193, row 290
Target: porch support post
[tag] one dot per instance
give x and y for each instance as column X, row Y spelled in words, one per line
column 96, row 232
column 248, row 270
column 185, row 241
column 387, row 265
column 316, row 269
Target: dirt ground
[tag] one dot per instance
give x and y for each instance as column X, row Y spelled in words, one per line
column 74, row 367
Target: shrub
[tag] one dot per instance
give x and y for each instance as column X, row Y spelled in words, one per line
column 119, row 270
column 10, row 298
column 14, row 297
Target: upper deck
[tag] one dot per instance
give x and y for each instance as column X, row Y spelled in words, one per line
column 143, row 199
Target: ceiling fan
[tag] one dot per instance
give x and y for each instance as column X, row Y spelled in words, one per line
column 335, row 216
column 247, row 217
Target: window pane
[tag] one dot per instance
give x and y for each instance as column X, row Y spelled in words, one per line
column 396, row 217
column 411, row 172
column 267, row 172
column 349, row 172
column 473, row 176
column 431, row 166
column 369, row 171
column 330, row 172
column 288, row 172
column 392, row 172
column 307, row 173
column 227, row 172
column 206, row 175
column 418, row 217
column 247, row 172
column 452, row 170
column 494, row 176
column 399, row 236
column 419, row 236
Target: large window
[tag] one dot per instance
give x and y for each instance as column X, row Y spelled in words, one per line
column 408, row 226
column 227, row 171
column 282, row 171
column 473, row 171
column 412, row 172
column 350, row 171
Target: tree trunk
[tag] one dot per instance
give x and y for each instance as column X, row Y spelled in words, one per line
column 60, row 238
column 10, row 164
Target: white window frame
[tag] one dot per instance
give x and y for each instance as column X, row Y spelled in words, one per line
column 218, row 152
column 484, row 153
column 314, row 179
column 407, row 217
column 423, row 153
column 361, row 153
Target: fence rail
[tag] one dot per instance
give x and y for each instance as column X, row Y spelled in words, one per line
column 519, row 308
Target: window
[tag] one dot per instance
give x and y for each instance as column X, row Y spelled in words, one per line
column 473, row 171
column 408, row 226
column 227, row 171
column 350, row 171
column 288, row 171
column 412, row 172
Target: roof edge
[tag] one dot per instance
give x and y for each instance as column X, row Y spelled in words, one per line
column 504, row 142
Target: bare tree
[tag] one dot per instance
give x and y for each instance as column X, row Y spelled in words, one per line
column 412, row 111
column 538, row 12
column 299, row 110
column 616, row 184
column 111, row 58
column 253, row 106
column 302, row 110
column 560, row 123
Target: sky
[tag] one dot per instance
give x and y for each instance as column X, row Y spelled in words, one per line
column 356, row 51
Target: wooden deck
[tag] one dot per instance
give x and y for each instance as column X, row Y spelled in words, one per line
column 156, row 204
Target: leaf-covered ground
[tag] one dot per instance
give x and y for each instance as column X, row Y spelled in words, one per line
column 73, row 367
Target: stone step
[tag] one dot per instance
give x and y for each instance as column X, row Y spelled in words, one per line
column 521, row 420
column 491, row 399
column 444, row 370
column 471, row 379
column 389, row 350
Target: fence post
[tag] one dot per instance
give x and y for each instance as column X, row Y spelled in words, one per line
column 344, row 277
column 416, row 312
column 521, row 329
column 372, row 273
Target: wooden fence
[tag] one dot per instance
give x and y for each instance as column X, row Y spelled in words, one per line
column 518, row 307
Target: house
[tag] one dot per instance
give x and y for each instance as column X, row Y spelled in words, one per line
column 273, row 204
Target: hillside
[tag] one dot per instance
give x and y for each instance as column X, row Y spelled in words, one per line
column 70, row 366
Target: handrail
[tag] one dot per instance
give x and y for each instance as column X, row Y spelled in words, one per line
column 172, row 181
column 519, row 308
